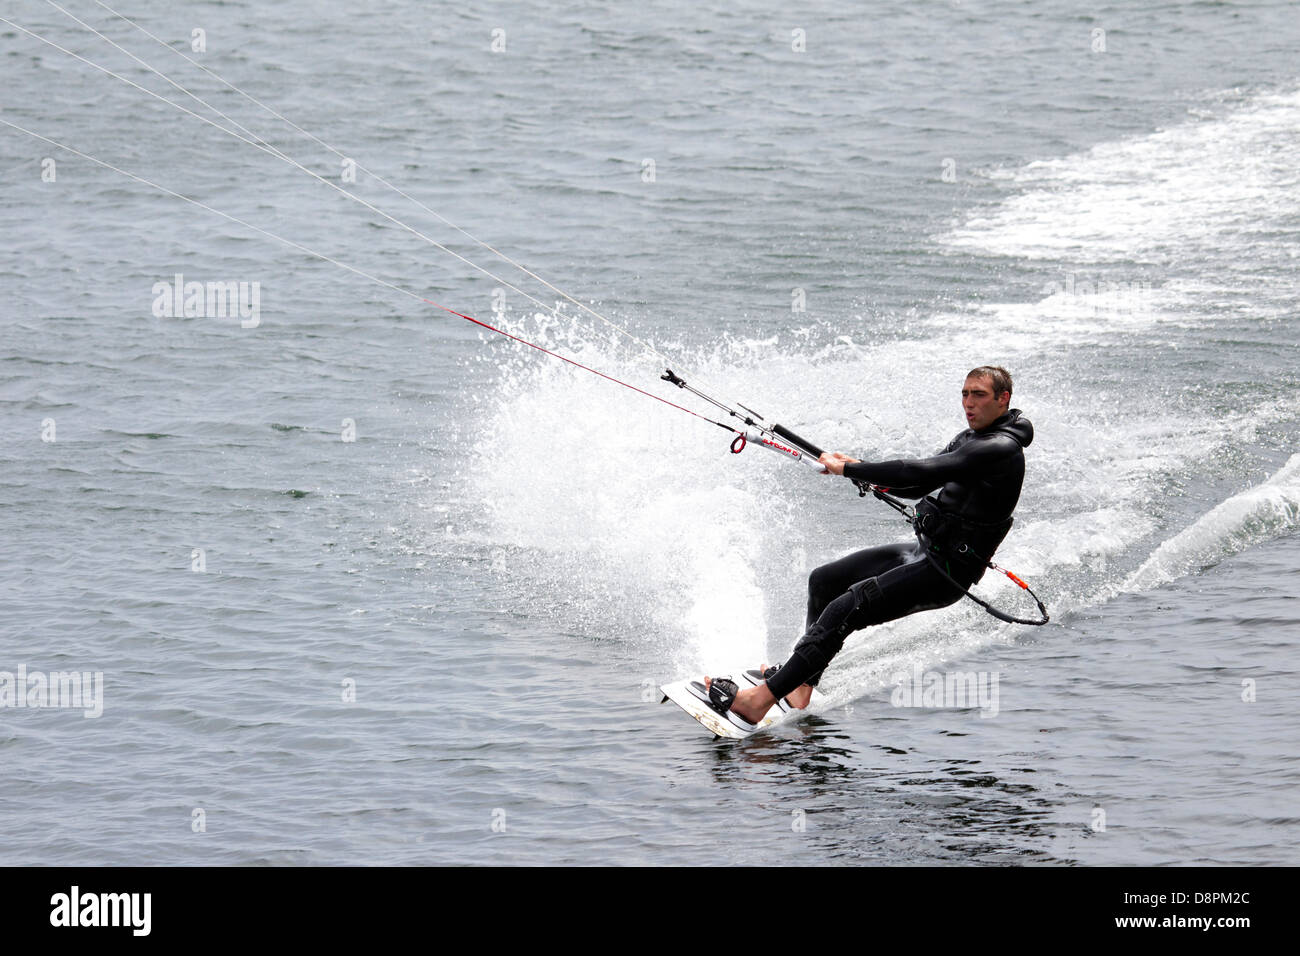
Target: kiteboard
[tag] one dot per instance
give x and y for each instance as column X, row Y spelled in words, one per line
column 691, row 697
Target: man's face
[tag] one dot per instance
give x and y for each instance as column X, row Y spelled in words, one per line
column 981, row 408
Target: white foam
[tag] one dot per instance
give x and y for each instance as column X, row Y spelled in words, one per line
column 1266, row 511
column 626, row 517
column 1203, row 183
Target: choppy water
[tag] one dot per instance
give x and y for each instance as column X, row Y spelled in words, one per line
column 512, row 553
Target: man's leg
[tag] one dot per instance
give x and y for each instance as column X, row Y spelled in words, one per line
column 833, row 580
column 845, row 576
column 897, row 592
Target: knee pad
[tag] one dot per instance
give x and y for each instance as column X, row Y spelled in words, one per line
column 865, row 592
column 817, row 647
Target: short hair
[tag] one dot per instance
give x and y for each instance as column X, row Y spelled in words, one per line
column 1000, row 376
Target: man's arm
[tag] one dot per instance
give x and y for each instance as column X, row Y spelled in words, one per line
column 915, row 477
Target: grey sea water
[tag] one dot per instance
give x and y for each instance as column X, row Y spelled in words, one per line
column 367, row 584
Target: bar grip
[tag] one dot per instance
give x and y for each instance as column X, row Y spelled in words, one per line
column 795, row 439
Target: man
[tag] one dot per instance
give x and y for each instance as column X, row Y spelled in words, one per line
column 978, row 477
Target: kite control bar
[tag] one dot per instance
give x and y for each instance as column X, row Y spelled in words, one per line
column 782, row 441
column 790, row 436
column 765, row 440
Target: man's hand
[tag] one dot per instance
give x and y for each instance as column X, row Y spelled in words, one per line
column 835, row 462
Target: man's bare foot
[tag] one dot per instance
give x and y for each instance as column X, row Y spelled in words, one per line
column 797, row 698
column 751, row 704
column 800, row 696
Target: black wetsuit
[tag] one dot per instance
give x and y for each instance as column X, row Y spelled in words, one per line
column 978, row 476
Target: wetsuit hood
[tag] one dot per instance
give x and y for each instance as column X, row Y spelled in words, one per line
column 1014, row 425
